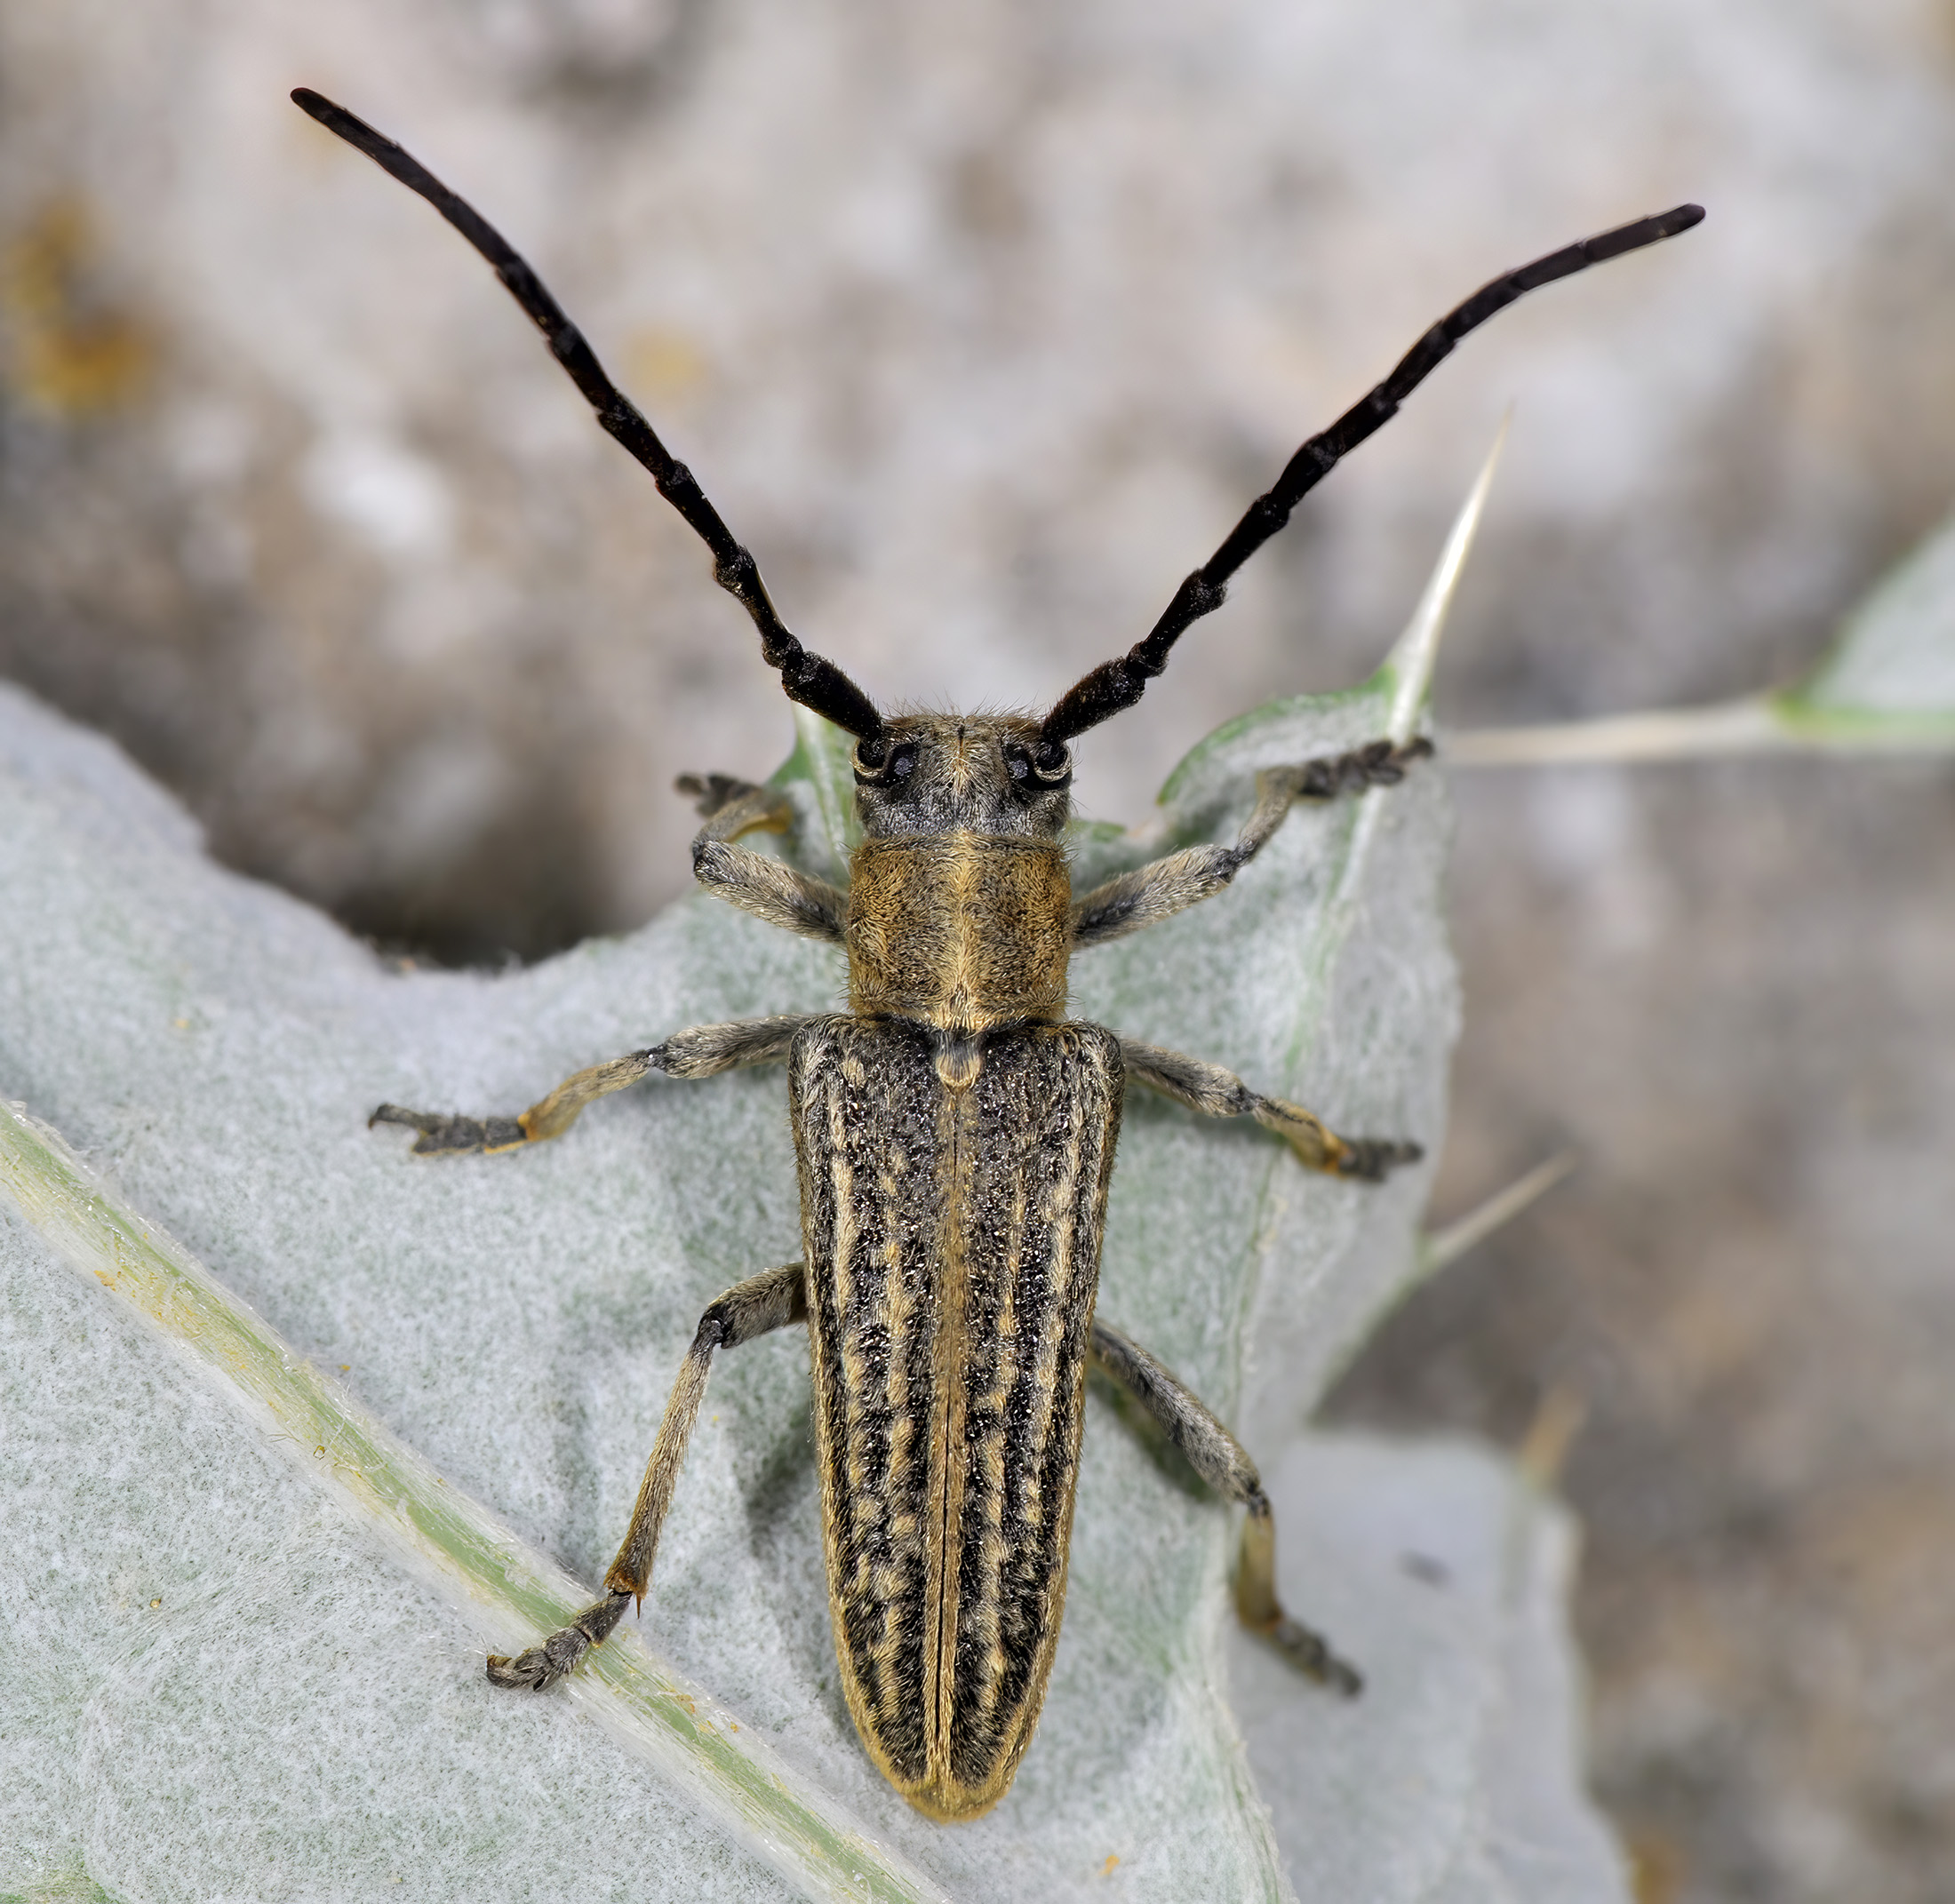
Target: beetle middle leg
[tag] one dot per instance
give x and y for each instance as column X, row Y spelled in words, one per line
column 1216, row 1092
column 702, row 1051
column 769, row 1301
column 1224, row 1464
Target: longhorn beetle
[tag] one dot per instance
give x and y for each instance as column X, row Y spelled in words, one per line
column 953, row 1129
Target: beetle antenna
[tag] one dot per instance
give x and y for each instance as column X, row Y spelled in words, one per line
column 807, row 678
column 1116, row 685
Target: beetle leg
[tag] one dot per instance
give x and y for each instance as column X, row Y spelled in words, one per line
column 1164, row 887
column 1224, row 1464
column 760, row 809
column 1216, row 1092
column 704, row 1051
column 766, row 887
column 769, row 1301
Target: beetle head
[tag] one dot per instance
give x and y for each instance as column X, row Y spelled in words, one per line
column 942, row 773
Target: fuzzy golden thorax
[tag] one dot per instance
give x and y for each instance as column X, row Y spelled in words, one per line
column 960, row 899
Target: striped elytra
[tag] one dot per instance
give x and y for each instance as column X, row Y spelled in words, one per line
column 953, row 1238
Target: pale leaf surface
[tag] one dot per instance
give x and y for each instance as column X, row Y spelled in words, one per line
column 1448, row 1574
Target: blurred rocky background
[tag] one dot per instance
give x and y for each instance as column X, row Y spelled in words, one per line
column 981, row 324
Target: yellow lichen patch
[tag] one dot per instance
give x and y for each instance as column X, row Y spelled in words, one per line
column 74, row 351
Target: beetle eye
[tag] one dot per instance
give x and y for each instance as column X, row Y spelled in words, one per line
column 1030, row 773
column 883, row 762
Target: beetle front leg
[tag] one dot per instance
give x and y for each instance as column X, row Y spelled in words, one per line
column 1224, row 1464
column 1164, row 887
column 764, row 887
column 1216, row 1092
column 704, row 1051
column 769, row 1301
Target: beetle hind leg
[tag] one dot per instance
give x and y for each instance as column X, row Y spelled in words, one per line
column 1224, row 1464
column 761, row 1303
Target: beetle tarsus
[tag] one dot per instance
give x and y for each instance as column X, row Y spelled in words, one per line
column 453, row 1135
column 1371, row 1160
column 708, row 793
column 1310, row 1653
column 1378, row 763
column 544, row 1665
column 540, row 1666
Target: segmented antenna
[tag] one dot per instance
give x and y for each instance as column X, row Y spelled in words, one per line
column 1115, row 685
column 808, row 678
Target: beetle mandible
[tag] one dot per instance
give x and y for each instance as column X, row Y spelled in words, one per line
column 955, row 1131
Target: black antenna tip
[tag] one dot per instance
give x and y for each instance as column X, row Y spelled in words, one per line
column 330, row 115
column 336, row 118
column 1609, row 245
